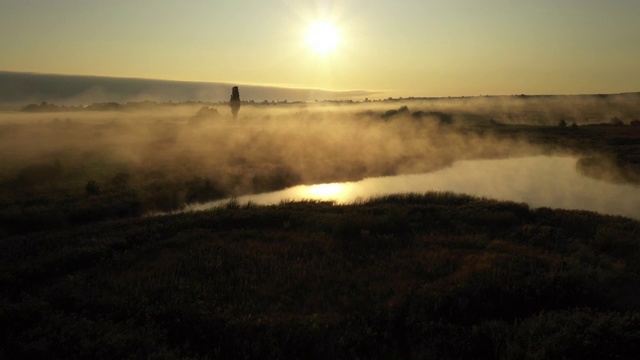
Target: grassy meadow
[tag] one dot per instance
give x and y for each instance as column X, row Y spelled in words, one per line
column 408, row 276
column 86, row 273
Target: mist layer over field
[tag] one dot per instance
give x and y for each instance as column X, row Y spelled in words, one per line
column 266, row 148
column 164, row 156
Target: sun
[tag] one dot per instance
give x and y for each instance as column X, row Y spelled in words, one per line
column 323, row 37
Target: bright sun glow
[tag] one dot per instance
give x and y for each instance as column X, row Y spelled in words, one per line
column 323, row 37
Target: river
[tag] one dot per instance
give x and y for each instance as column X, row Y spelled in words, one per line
column 540, row 181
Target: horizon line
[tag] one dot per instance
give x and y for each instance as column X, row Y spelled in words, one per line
column 363, row 92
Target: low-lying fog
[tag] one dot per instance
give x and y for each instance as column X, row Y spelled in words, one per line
column 170, row 149
column 266, row 148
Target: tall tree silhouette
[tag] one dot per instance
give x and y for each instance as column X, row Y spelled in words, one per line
column 235, row 101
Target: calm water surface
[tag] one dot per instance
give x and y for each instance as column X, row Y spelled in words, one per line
column 537, row 180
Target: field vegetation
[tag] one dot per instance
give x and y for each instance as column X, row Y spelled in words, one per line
column 85, row 271
column 407, row 276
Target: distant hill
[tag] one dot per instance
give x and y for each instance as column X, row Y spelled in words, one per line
column 18, row 88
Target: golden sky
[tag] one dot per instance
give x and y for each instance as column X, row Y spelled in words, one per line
column 401, row 47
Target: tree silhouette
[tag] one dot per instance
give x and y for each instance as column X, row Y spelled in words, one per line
column 235, row 101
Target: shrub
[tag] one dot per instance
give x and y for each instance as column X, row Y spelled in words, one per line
column 92, row 188
column 37, row 174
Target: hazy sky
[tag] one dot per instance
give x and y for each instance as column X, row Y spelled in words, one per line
column 404, row 47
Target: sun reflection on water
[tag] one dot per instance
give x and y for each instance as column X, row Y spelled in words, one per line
column 333, row 191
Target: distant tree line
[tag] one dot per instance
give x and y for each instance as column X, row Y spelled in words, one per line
column 106, row 106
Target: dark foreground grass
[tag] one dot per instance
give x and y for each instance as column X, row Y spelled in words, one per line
column 434, row 276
